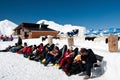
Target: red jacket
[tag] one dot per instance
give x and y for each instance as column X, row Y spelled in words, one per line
column 1, row 37
column 67, row 53
column 25, row 50
column 29, row 50
column 54, row 53
column 41, row 48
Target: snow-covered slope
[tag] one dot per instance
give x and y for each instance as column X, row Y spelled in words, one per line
column 6, row 27
column 16, row 67
column 63, row 28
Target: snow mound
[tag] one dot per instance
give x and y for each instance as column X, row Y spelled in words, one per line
column 6, row 27
column 63, row 28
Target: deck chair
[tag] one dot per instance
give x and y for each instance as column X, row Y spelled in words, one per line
column 97, row 67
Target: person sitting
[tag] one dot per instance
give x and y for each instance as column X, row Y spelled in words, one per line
column 75, row 67
column 42, row 56
column 69, row 65
column 28, row 52
column 7, row 49
column 32, row 55
column 16, row 48
column 88, row 58
column 61, row 54
column 24, row 49
column 38, row 52
column 51, row 57
column 34, row 47
column 10, row 48
column 67, row 57
column 39, row 55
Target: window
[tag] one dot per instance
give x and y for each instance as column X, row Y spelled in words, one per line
column 19, row 31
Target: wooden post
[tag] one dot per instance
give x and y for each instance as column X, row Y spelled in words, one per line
column 50, row 39
column 113, row 43
column 70, row 41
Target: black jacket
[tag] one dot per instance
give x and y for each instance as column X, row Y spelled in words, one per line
column 90, row 57
column 19, row 41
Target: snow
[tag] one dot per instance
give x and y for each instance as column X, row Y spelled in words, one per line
column 16, row 67
column 64, row 28
column 6, row 27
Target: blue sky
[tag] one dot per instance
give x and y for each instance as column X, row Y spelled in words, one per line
column 89, row 13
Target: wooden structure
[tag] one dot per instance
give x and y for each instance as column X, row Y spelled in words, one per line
column 30, row 30
column 50, row 39
column 113, row 43
column 70, row 41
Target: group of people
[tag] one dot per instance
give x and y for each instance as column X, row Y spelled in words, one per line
column 71, row 61
column 6, row 38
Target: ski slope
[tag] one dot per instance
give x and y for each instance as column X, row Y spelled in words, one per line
column 16, row 67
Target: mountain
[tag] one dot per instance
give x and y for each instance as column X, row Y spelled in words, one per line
column 6, row 27
column 63, row 28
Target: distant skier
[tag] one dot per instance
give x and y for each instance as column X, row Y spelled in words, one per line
column 19, row 41
column 11, row 38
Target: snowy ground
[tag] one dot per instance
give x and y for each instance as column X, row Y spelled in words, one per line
column 16, row 67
